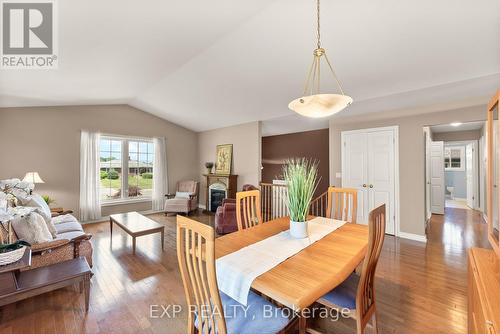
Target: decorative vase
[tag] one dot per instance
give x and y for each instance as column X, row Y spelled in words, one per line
column 209, row 166
column 298, row 230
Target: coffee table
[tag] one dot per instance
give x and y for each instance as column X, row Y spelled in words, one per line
column 17, row 285
column 136, row 225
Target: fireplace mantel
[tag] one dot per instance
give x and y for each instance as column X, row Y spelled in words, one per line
column 230, row 181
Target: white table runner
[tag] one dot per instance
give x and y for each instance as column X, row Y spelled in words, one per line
column 236, row 271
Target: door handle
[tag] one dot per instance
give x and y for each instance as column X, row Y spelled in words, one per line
column 364, row 185
column 371, row 185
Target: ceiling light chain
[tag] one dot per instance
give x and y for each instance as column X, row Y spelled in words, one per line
column 318, row 31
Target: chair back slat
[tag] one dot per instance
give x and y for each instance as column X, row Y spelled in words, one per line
column 365, row 297
column 342, row 204
column 248, row 213
column 196, row 256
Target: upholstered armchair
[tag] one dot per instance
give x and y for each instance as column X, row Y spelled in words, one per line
column 225, row 216
column 185, row 198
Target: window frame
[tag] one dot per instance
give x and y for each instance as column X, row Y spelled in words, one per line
column 124, row 140
column 447, row 149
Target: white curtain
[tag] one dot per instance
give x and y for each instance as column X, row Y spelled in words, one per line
column 90, row 206
column 160, row 181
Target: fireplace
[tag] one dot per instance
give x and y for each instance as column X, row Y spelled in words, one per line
column 218, row 187
column 217, row 192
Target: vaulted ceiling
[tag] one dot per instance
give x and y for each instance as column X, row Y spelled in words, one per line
column 209, row 64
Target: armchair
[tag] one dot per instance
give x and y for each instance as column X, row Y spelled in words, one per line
column 185, row 199
column 225, row 216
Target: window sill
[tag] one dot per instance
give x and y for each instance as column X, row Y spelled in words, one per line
column 126, row 201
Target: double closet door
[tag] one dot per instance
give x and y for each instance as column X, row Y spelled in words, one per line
column 369, row 165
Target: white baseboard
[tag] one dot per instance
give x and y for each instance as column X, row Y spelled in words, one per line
column 202, row 206
column 411, row 236
column 460, row 199
column 106, row 218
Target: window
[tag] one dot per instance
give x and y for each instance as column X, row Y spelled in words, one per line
column 454, row 158
column 126, row 163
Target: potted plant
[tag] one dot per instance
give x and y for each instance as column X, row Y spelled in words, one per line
column 48, row 199
column 301, row 176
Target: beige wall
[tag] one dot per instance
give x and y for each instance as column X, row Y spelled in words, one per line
column 457, row 135
column 411, row 155
column 246, row 142
column 47, row 140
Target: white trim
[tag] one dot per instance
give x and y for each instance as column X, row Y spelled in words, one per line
column 202, row 206
column 106, row 218
column 460, row 199
column 411, row 236
column 127, row 200
column 133, row 138
column 395, row 129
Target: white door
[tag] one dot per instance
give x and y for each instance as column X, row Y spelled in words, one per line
column 437, row 177
column 368, row 164
column 469, row 174
column 354, row 171
column 381, row 174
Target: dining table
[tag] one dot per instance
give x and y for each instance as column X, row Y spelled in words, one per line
column 304, row 277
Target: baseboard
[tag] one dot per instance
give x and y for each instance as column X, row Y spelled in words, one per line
column 106, row 218
column 201, row 206
column 460, row 199
column 411, row 236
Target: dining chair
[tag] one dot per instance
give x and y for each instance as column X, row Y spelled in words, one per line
column 248, row 213
column 342, row 204
column 211, row 311
column 357, row 292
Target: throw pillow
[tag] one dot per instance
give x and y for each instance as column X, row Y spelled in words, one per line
column 48, row 221
column 182, row 194
column 31, row 228
column 37, row 201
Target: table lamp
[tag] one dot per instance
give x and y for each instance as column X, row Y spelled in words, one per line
column 33, row 177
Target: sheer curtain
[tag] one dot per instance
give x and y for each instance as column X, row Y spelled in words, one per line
column 90, row 206
column 160, row 181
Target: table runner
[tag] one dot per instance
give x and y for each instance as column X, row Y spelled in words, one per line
column 236, row 271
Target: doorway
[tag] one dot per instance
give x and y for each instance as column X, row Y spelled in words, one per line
column 454, row 167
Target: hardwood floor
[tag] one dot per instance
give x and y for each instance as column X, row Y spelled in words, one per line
column 421, row 288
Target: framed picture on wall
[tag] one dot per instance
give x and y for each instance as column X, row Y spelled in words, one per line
column 224, row 159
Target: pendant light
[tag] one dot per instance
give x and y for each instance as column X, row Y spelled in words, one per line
column 313, row 103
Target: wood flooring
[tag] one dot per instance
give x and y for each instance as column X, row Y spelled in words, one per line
column 420, row 287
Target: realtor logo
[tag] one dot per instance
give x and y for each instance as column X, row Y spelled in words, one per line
column 28, row 35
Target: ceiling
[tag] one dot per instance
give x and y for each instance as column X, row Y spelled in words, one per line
column 462, row 127
column 209, row 64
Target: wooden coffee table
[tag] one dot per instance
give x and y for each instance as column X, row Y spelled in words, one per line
column 135, row 225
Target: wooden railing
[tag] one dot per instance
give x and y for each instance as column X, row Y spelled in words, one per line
column 318, row 205
column 274, row 202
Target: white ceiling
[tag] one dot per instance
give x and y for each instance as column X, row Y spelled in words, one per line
column 462, row 127
column 208, row 64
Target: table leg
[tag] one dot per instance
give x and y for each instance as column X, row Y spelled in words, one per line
column 86, row 284
column 302, row 324
column 162, row 239
column 133, row 245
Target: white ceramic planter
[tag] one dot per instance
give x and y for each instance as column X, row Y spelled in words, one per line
column 298, row 230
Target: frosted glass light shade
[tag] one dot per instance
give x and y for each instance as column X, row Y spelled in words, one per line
column 320, row 105
column 33, row 177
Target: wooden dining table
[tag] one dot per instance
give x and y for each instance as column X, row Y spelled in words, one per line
column 306, row 276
